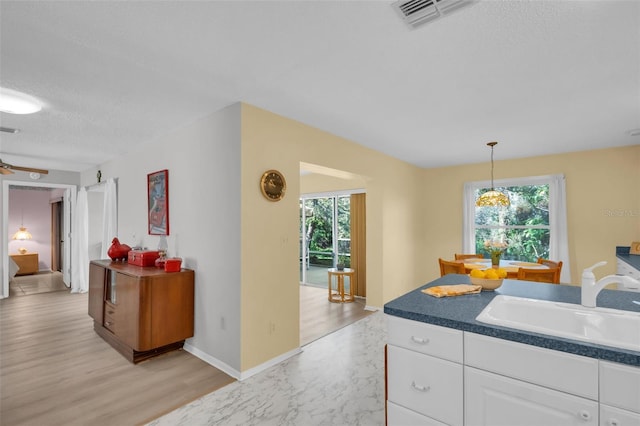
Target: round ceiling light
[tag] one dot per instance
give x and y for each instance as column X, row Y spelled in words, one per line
column 15, row 102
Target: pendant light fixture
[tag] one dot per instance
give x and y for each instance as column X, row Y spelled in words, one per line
column 492, row 198
column 22, row 235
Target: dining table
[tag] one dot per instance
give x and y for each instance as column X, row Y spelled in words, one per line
column 511, row 266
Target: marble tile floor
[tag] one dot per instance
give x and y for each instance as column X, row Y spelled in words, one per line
column 336, row 380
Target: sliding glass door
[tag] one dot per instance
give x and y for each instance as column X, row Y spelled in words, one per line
column 325, row 236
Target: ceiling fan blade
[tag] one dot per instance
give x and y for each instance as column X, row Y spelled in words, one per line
column 5, row 171
column 30, row 169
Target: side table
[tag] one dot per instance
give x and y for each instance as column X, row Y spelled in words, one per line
column 27, row 262
column 337, row 293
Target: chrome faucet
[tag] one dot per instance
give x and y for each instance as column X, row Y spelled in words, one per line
column 591, row 288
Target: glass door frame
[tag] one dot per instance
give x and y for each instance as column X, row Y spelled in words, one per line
column 304, row 252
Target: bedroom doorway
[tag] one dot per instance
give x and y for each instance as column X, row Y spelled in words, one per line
column 67, row 198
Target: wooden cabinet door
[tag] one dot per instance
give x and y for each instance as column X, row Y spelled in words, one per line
column 170, row 299
column 127, row 312
column 96, row 292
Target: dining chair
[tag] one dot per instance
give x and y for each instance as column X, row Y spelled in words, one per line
column 461, row 256
column 449, row 267
column 550, row 275
column 552, row 264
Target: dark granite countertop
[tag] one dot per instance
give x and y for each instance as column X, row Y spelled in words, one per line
column 460, row 312
column 622, row 253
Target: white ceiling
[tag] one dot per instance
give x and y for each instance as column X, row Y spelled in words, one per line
column 540, row 77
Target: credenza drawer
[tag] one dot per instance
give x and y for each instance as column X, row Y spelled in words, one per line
column 109, row 317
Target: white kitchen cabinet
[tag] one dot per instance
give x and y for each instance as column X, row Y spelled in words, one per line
column 517, row 384
column 611, row 416
column 561, row 371
column 623, row 268
column 441, row 342
column 495, row 400
column 436, row 375
column 619, row 394
column 397, row 415
column 427, row 385
column 424, row 374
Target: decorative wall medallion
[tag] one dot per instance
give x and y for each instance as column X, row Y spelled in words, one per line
column 273, row 185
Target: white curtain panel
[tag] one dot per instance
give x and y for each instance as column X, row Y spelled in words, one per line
column 110, row 216
column 80, row 245
column 559, row 246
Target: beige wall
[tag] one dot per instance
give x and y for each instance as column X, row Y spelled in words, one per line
column 318, row 183
column 603, row 203
column 270, row 277
column 250, row 282
column 408, row 228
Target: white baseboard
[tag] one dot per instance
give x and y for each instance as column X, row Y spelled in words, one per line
column 273, row 361
column 238, row 375
column 371, row 308
column 222, row 366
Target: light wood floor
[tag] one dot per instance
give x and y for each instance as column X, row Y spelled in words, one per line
column 319, row 317
column 55, row 370
column 42, row 282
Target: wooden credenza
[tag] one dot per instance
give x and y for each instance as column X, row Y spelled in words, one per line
column 28, row 263
column 141, row 311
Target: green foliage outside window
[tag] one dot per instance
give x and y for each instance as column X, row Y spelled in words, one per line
column 319, row 230
column 524, row 225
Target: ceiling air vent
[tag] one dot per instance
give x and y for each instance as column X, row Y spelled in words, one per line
column 418, row 12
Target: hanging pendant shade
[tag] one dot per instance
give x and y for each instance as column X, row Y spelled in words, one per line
column 492, row 198
column 22, row 234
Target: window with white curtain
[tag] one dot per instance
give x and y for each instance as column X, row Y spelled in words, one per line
column 533, row 226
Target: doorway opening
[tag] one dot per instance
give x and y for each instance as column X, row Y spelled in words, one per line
column 332, row 229
column 62, row 242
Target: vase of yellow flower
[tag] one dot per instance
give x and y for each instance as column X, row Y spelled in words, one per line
column 495, row 250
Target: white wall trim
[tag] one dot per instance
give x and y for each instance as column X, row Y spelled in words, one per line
column 265, row 365
column 239, row 375
column 69, row 197
column 222, row 366
column 340, row 193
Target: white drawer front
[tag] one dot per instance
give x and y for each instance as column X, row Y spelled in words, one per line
column 620, row 385
column 558, row 370
column 610, row 416
column 492, row 400
column 427, row 385
column 426, row 338
column 400, row 416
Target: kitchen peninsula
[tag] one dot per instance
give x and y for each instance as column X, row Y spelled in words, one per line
column 444, row 367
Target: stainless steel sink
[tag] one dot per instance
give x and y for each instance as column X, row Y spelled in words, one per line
column 603, row 326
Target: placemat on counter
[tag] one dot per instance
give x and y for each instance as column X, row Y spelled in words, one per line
column 452, row 290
